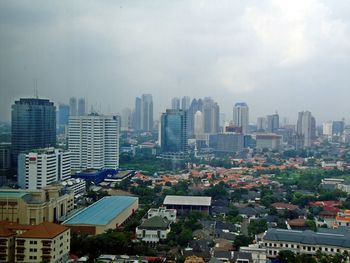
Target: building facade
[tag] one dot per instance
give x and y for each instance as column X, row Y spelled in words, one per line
column 306, row 127
column 147, row 112
column 42, row 167
column 36, row 206
column 241, row 116
column 93, row 141
column 173, row 131
column 33, row 124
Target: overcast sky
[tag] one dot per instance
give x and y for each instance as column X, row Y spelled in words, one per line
column 275, row 55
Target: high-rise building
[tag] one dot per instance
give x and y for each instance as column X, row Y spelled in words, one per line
column 126, row 119
column 136, row 115
column 147, row 112
column 211, row 113
column 42, row 167
column 93, row 141
column 306, row 127
column 198, row 124
column 327, row 128
column 5, row 155
column 261, row 124
column 174, row 131
column 273, row 123
column 196, row 105
column 81, row 107
column 338, row 127
column 73, row 106
column 241, row 116
column 63, row 117
column 185, row 102
column 33, row 126
column 175, row 103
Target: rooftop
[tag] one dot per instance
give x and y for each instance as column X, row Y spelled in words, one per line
column 102, row 212
column 44, row 230
column 12, row 194
column 187, row 200
column 329, row 238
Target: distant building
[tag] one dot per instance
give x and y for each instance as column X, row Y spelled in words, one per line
column 81, row 107
column 196, row 105
column 5, row 156
column 327, row 128
column 228, row 142
column 327, row 241
column 109, row 212
column 268, row 141
column 241, row 116
column 46, row 242
column 261, row 124
column 35, row 206
column 185, row 103
column 198, row 124
column 273, row 123
column 147, row 112
column 126, row 119
column 173, row 131
column 33, row 126
column 93, row 141
column 42, row 167
column 169, row 214
column 136, row 115
column 338, row 127
column 306, row 127
column 73, row 106
column 186, row 204
column 211, row 115
column 63, row 117
column 175, row 103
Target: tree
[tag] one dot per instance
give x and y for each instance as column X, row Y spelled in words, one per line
column 242, row 241
column 286, row 256
column 257, row 226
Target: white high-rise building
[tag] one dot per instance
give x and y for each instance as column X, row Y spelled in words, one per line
column 198, row 124
column 42, row 167
column 328, row 128
column 93, row 141
column 241, row 116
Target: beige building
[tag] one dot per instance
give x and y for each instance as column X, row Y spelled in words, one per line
column 27, row 243
column 36, row 206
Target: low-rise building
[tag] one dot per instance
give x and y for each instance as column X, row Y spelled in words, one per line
column 268, row 141
column 108, row 213
column 34, row 243
column 327, row 241
column 169, row 214
column 153, row 229
column 186, row 204
column 35, row 206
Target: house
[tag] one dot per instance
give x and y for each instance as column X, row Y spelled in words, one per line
column 153, row 229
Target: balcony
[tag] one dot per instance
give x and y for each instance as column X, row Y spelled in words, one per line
column 46, row 243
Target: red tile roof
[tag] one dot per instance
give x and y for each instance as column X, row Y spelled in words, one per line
column 44, row 230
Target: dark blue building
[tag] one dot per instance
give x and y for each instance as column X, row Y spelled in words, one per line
column 174, row 131
column 33, row 124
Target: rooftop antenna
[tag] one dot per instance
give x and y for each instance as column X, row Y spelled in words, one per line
column 36, row 89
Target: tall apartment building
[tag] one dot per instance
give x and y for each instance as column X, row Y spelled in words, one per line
column 63, row 117
column 273, row 123
column 185, row 103
column 93, row 141
column 73, row 107
column 136, row 115
column 241, row 116
column 211, row 113
column 196, row 105
column 5, row 156
column 174, row 131
column 306, row 127
column 46, row 242
column 175, row 103
column 35, row 206
column 81, row 107
column 42, row 167
column 33, row 124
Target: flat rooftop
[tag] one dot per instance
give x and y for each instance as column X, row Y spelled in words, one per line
column 187, row 200
column 102, row 212
column 12, row 194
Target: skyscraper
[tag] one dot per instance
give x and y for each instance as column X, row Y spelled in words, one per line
column 306, row 127
column 147, row 112
column 273, row 123
column 185, row 102
column 33, row 126
column 174, row 131
column 196, row 105
column 126, row 119
column 93, row 141
column 81, row 107
column 198, row 124
column 73, row 107
column 136, row 115
column 175, row 103
column 241, row 116
column 211, row 113
column 63, row 117
column 261, row 124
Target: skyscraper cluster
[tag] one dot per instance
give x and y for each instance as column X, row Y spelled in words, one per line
column 142, row 116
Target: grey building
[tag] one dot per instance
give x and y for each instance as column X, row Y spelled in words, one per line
column 227, row 143
column 33, row 125
column 147, row 112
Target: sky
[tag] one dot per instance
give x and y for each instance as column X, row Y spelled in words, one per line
column 284, row 56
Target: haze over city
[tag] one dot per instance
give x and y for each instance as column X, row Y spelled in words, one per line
column 275, row 55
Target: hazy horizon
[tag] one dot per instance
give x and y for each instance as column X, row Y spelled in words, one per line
column 287, row 56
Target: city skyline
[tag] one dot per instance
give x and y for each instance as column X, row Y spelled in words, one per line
column 285, row 56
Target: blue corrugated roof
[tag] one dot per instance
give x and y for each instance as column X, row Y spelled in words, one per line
column 102, row 212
